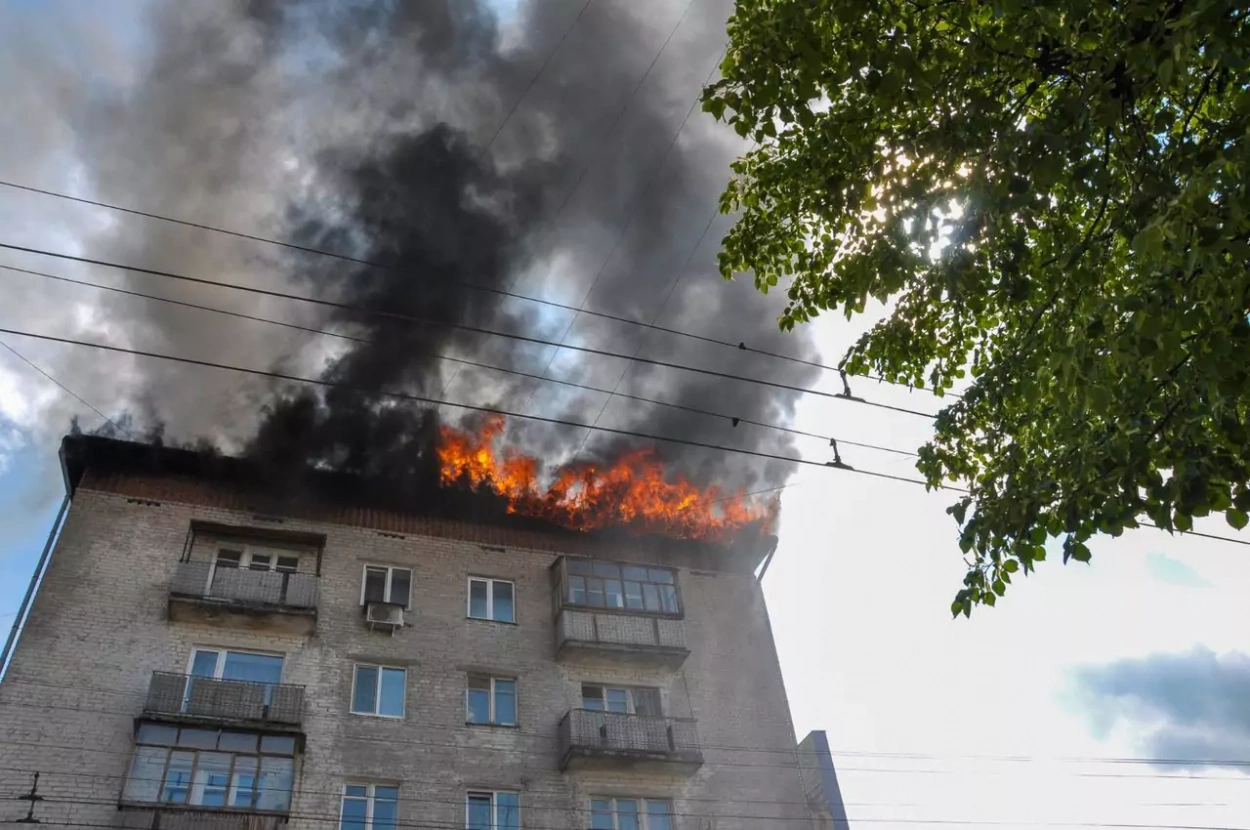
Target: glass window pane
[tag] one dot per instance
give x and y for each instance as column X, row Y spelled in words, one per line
column 612, row 590
column 212, row 779
column 157, row 734
column 478, row 812
column 144, row 781
column 375, row 584
column 178, row 777
column 505, row 702
column 633, row 595
column 626, row 814
column 385, row 808
column 635, row 573
column 668, row 598
column 243, row 782
column 661, row 575
column 260, row 562
column 594, row 591
column 357, row 790
column 392, row 702
column 289, row 564
column 601, row 814
column 204, row 663
column 477, row 707
column 503, row 601
column 577, row 590
column 401, row 581
column 647, row 702
column 605, row 569
column 618, row 700
column 592, row 697
column 477, row 599
column 659, row 815
column 198, row 738
column 354, row 814
column 227, row 558
column 237, row 742
column 577, row 566
column 507, row 811
column 651, row 597
column 278, row 745
column 275, row 783
column 364, row 698
column 254, row 668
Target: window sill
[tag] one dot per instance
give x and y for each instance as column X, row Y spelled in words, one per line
column 493, row 725
column 495, row 622
column 373, row 716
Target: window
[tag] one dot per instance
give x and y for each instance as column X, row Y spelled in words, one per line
column 630, row 814
column 379, row 690
column 238, row 666
column 491, row 599
column 493, row 811
column 255, row 558
column 386, row 584
column 211, row 768
column 608, row 585
column 369, row 807
column 490, row 700
column 631, row 700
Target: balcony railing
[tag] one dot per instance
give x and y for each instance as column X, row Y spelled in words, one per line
column 280, row 704
column 150, row 817
column 608, row 738
column 286, row 591
column 639, row 638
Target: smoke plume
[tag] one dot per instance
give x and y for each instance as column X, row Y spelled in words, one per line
column 547, row 149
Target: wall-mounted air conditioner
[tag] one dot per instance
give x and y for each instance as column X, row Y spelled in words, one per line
column 384, row 616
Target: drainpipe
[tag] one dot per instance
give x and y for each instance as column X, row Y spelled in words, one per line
column 20, row 619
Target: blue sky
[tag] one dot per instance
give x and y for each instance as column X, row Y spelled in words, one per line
column 1077, row 662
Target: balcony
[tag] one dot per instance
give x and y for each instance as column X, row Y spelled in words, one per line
column 240, row 597
column 591, row 739
column 585, row 635
column 167, row 817
column 184, row 698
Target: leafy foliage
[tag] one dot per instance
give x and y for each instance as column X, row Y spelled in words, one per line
column 1052, row 196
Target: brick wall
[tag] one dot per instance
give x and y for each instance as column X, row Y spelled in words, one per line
column 98, row 629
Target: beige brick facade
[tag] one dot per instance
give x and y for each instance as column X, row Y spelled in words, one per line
column 99, row 628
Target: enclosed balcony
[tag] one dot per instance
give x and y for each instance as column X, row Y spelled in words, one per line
column 618, row 612
column 591, row 739
column 148, row 817
column 188, row 698
column 217, row 593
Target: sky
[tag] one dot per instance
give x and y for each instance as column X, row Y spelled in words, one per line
column 1142, row 654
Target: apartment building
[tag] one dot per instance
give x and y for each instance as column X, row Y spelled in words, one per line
column 205, row 653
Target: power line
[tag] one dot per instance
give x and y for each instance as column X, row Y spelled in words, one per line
column 464, row 362
column 64, row 388
column 470, row 407
column 408, row 318
column 739, row 345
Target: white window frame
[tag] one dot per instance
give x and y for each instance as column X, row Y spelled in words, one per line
column 377, row 698
column 490, row 599
column 370, row 799
column 632, row 708
column 494, row 805
column 222, row 651
column 492, row 721
column 248, row 551
column 390, row 573
column 644, row 817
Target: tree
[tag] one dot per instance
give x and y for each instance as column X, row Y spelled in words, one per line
column 1051, row 195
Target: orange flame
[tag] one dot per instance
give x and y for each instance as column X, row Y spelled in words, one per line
column 633, row 492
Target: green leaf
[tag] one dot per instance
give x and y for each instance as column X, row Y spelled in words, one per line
column 1165, row 72
column 1011, row 566
column 1237, row 518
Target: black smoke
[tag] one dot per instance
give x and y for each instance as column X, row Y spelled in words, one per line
column 548, row 150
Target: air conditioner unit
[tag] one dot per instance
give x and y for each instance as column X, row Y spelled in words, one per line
column 384, row 615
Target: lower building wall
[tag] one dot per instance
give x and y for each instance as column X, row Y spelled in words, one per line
column 98, row 629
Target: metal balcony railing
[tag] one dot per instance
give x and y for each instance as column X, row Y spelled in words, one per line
column 589, row 732
column 152, row 817
column 201, row 580
column 224, row 700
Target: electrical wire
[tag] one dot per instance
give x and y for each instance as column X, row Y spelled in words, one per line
column 64, row 388
column 408, row 318
column 463, row 362
column 468, row 407
column 739, row 345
